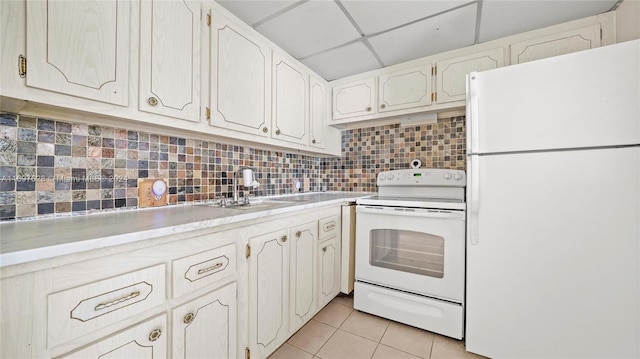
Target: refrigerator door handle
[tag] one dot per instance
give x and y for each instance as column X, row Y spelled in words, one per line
column 474, row 197
column 472, row 113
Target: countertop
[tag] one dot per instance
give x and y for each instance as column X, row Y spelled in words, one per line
column 32, row 240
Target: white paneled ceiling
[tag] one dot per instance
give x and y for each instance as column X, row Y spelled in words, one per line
column 338, row 38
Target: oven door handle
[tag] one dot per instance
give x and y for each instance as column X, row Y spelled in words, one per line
column 411, row 212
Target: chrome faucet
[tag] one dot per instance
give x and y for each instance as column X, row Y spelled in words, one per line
column 235, row 188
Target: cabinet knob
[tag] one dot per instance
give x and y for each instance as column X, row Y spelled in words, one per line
column 368, row 109
column 313, row 141
column 265, row 129
column 155, row 335
column 188, row 318
column 278, row 132
column 284, row 238
column 298, row 234
column 324, row 249
column 383, row 106
column 152, row 101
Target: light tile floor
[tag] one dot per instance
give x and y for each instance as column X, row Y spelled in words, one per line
column 338, row 331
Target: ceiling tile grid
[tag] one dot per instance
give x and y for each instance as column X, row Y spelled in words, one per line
column 339, row 38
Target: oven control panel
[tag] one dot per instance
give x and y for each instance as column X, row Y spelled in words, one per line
column 423, row 177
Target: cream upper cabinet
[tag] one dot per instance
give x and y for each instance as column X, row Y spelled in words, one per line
column 170, row 58
column 318, row 111
column 404, row 89
column 584, row 38
column 451, row 73
column 206, row 326
column 240, row 79
column 268, row 292
column 303, row 278
column 147, row 340
column 353, row 99
column 79, row 48
column 290, row 94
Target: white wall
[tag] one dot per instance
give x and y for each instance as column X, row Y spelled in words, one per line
column 628, row 21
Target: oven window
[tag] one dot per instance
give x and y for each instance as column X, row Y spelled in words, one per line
column 407, row 251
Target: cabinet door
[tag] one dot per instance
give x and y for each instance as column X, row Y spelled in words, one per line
column 451, row 74
column 318, row 111
column 146, row 340
column 268, row 292
column 240, row 79
column 303, row 282
column 206, row 326
column 328, row 270
column 558, row 44
column 354, row 99
column 290, row 101
column 405, row 89
column 79, row 48
column 170, row 58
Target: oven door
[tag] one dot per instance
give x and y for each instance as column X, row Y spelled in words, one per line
column 412, row 249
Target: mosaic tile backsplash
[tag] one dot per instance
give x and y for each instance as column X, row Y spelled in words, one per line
column 52, row 167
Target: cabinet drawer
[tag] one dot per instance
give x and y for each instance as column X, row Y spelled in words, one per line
column 145, row 340
column 84, row 309
column 327, row 227
column 199, row 270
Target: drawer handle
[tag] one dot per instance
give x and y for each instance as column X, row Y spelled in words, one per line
column 329, row 226
column 155, row 335
column 298, row 234
column 209, row 269
column 117, row 301
column 188, row 318
column 284, row 238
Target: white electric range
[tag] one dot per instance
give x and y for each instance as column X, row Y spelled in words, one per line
column 410, row 249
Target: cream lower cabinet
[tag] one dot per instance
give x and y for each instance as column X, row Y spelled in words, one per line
column 285, row 274
column 303, row 274
column 328, row 270
column 147, row 340
column 268, row 292
column 206, row 326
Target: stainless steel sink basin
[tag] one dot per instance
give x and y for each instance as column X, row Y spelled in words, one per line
column 290, row 199
column 262, row 203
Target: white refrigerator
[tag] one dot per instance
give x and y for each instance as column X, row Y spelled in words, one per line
column 553, row 204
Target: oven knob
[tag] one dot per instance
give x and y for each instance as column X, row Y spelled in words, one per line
column 383, row 177
column 391, row 176
column 447, row 176
column 457, row 177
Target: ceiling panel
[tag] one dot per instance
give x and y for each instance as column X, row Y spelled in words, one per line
column 343, row 61
column 375, row 16
column 252, row 11
column 309, row 28
column 501, row 18
column 451, row 30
